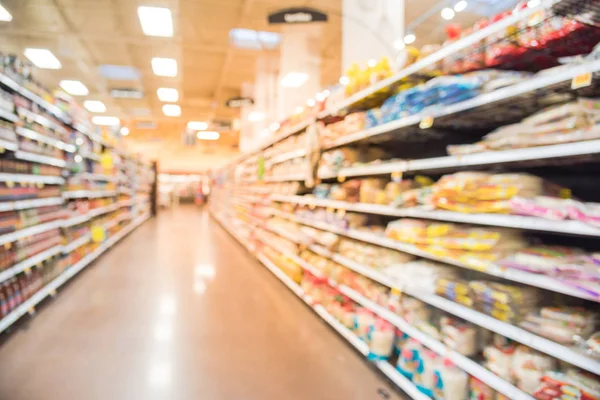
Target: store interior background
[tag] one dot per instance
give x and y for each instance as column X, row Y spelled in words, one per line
column 101, row 44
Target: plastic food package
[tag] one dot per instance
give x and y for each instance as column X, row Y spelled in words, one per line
column 563, row 325
column 452, row 383
column 570, row 385
column 421, row 275
column 529, row 366
column 425, row 376
column 460, row 336
column 408, row 361
column 381, row 340
column 363, row 322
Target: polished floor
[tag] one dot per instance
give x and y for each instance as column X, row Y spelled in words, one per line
column 179, row 311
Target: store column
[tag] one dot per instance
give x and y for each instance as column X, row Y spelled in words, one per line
column 369, row 30
column 300, row 66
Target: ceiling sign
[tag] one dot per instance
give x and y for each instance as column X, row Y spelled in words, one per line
column 297, row 15
column 238, row 102
column 126, row 93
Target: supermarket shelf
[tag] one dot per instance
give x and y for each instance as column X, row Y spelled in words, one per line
column 7, row 115
column 77, row 243
column 8, row 145
column 97, row 177
column 513, row 332
column 21, row 178
column 285, row 178
column 8, row 82
column 57, row 162
column 91, row 156
column 286, row 156
column 538, row 154
column 79, row 194
column 93, row 136
column 80, row 219
column 103, row 210
column 464, row 363
column 472, row 39
column 40, row 119
column 30, row 262
column 34, row 230
column 540, row 281
column 500, row 220
column 528, row 86
column 33, row 135
column 50, row 288
column 34, row 203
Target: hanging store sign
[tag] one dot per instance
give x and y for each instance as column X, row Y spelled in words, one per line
column 238, row 102
column 299, row 15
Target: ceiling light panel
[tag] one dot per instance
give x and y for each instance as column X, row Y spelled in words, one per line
column 164, row 66
column 94, row 106
column 156, row 21
column 106, row 121
column 208, row 135
column 42, row 58
column 171, row 110
column 168, row 95
column 74, row 88
column 119, row 72
column 4, row 14
column 197, row 125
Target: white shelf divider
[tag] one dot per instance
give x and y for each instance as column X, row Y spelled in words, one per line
column 22, row 178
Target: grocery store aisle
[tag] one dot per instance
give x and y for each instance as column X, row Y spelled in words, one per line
column 180, row 311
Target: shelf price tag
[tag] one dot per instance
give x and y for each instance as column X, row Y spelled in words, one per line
column 426, row 122
column 98, row 233
column 31, row 311
column 52, row 292
column 341, row 178
column 340, row 213
column 581, row 81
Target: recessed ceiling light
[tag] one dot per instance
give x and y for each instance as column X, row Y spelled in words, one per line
column 168, row 94
column 447, row 13
column 208, row 135
column 171, row 110
column 255, row 116
column 156, row 21
column 42, row 58
column 4, row 14
column 74, row 88
column 124, row 131
column 294, row 79
column 197, row 125
column 104, row 120
column 94, row 106
column 164, row 66
column 461, row 6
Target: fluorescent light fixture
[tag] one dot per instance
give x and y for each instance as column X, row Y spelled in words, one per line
column 344, row 80
column 74, row 88
column 168, row 94
column 42, row 58
column 311, row 102
column 254, row 40
column 410, row 38
column 533, row 3
column 294, row 79
column 255, row 116
column 208, row 135
column 461, row 6
column 119, row 72
column 94, row 106
column 4, row 14
column 164, row 66
column 171, row 110
column 197, row 125
column 124, row 131
column 156, row 21
column 106, row 121
column 372, row 63
column 447, row 13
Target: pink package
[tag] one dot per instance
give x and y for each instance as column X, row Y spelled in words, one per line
column 543, row 207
